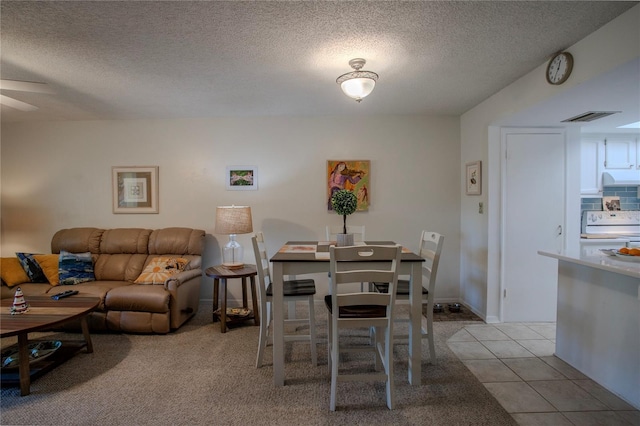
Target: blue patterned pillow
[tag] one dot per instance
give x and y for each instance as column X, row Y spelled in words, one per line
column 75, row 268
column 32, row 268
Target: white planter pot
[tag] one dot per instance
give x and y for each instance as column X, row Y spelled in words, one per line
column 344, row 240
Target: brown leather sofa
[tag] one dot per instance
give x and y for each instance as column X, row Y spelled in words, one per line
column 119, row 256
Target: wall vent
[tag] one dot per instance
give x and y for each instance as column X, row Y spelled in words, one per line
column 589, row 116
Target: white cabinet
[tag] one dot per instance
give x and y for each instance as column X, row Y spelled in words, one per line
column 621, row 152
column 591, row 154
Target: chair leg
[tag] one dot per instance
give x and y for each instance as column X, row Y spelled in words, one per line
column 312, row 332
column 335, row 353
column 388, row 362
column 432, row 347
column 262, row 340
column 329, row 342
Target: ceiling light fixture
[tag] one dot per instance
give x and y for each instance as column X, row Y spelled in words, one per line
column 357, row 84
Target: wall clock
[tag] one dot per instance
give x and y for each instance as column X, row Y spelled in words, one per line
column 559, row 68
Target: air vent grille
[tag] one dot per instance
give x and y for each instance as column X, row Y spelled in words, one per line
column 589, row 116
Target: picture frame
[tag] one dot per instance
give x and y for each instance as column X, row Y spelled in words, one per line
column 354, row 175
column 473, row 182
column 241, row 178
column 135, row 189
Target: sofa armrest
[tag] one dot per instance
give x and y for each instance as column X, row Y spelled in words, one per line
column 172, row 283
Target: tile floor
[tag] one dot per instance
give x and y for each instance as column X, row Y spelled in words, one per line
column 515, row 362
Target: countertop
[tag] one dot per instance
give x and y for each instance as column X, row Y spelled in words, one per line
column 624, row 266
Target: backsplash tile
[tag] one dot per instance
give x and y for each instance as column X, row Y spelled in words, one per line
column 628, row 198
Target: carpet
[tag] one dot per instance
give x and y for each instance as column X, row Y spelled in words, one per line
column 197, row 375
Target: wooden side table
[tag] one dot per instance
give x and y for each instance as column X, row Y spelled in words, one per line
column 220, row 274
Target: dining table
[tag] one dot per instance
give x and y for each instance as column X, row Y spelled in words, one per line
column 308, row 257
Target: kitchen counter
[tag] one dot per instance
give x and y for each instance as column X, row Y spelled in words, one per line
column 598, row 319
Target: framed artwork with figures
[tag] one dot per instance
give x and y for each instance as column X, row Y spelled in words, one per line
column 353, row 175
column 474, row 178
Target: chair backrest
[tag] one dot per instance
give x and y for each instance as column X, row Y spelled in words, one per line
column 430, row 249
column 355, row 264
column 262, row 265
column 356, row 230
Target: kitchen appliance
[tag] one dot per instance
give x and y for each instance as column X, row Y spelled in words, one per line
column 609, row 230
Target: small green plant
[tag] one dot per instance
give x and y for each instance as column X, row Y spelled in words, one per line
column 344, row 202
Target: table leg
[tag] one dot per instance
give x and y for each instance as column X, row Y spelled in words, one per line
column 254, row 299
column 245, row 303
column 415, row 325
column 223, row 308
column 216, row 291
column 85, row 331
column 278, row 324
column 23, row 368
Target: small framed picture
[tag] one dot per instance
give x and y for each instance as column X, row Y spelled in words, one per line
column 474, row 178
column 241, row 178
column 135, row 189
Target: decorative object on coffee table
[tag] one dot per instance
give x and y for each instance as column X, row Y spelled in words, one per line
column 344, row 202
column 20, row 306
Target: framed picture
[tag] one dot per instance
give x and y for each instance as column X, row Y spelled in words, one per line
column 135, row 189
column 241, row 178
column 353, row 175
column 474, row 178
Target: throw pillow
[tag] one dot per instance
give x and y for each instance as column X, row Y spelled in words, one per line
column 160, row 269
column 12, row 271
column 49, row 265
column 75, row 268
column 31, row 267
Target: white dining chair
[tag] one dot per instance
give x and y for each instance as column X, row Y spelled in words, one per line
column 362, row 310
column 430, row 249
column 294, row 290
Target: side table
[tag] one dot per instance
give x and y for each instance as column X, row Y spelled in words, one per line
column 220, row 274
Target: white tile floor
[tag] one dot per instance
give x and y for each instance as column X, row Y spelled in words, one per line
column 515, row 362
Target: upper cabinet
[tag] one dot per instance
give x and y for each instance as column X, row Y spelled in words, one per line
column 614, row 155
column 621, row 152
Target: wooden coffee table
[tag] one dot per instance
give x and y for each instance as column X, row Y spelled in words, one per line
column 44, row 314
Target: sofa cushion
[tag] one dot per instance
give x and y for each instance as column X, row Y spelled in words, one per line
column 183, row 241
column 12, row 271
column 138, row 298
column 125, row 240
column 77, row 240
column 49, row 265
column 161, row 268
column 32, row 268
column 75, row 268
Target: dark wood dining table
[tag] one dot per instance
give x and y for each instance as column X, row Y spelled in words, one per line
column 307, row 257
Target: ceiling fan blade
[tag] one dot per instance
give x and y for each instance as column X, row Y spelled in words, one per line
column 14, row 103
column 25, row 86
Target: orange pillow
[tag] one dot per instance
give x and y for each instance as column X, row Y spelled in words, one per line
column 49, row 265
column 12, row 271
column 160, row 269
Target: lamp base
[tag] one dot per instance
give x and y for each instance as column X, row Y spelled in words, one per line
column 235, row 265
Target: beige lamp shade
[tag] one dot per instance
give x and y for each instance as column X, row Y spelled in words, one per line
column 233, row 220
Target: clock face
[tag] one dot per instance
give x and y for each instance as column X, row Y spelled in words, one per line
column 559, row 68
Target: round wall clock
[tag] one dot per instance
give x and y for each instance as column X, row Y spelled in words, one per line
column 559, row 68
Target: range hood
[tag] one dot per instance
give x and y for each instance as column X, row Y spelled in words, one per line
column 621, row 178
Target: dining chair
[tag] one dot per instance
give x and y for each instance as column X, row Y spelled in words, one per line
column 362, row 310
column 358, row 236
column 430, row 249
column 294, row 290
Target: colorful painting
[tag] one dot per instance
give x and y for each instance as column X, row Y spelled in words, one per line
column 242, row 178
column 353, row 175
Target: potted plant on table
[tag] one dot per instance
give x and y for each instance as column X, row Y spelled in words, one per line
column 344, row 202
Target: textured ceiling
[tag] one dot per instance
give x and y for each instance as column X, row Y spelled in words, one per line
column 170, row 59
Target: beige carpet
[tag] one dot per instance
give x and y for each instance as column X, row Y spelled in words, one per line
column 198, row 376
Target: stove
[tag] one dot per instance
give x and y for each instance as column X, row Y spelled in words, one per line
column 624, row 224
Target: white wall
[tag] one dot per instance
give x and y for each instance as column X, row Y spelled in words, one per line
column 58, row 175
column 611, row 46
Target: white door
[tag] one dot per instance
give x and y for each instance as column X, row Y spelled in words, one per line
column 533, row 219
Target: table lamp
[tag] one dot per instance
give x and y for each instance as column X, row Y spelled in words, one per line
column 233, row 220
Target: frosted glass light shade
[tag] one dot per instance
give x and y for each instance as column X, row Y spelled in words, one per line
column 358, row 88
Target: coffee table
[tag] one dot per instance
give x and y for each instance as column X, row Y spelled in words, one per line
column 44, row 314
